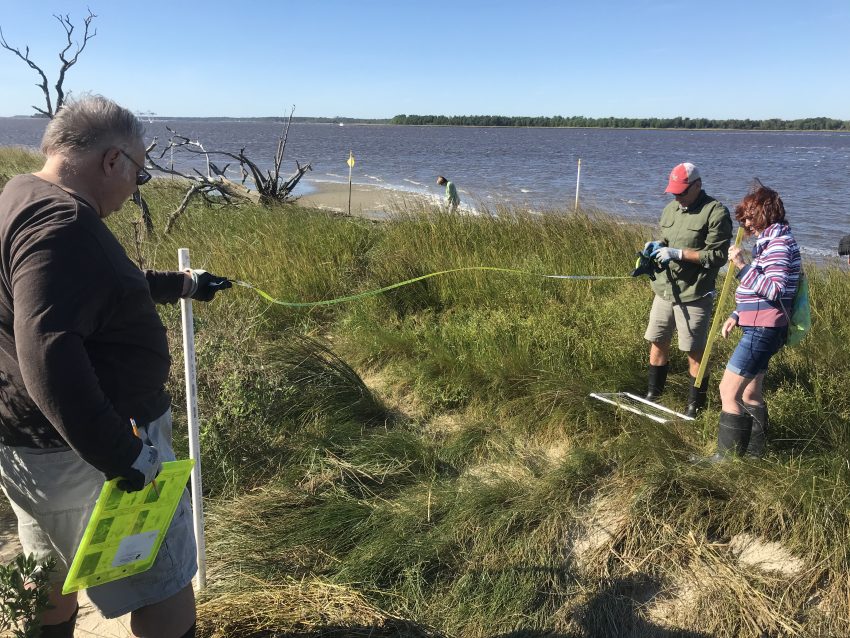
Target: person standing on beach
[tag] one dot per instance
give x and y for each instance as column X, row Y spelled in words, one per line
column 844, row 247
column 83, row 364
column 452, row 199
column 694, row 244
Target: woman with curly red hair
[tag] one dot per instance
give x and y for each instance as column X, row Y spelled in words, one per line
column 763, row 301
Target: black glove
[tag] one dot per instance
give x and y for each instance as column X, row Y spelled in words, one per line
column 205, row 285
column 844, row 246
column 143, row 470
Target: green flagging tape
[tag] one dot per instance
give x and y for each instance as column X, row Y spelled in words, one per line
column 372, row 293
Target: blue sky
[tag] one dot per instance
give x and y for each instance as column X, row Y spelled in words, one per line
column 722, row 59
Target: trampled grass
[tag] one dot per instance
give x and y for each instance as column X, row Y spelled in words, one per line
column 427, row 462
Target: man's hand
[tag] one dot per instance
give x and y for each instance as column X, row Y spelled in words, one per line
column 205, row 285
column 651, row 246
column 143, row 470
column 665, row 255
column 728, row 326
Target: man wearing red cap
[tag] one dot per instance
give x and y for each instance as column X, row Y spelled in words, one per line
column 694, row 244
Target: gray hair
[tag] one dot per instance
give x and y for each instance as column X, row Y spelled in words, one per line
column 92, row 122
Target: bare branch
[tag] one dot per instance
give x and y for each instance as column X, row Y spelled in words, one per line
column 26, row 58
column 137, row 238
column 139, row 201
column 281, row 145
column 183, row 205
column 67, row 63
column 289, row 185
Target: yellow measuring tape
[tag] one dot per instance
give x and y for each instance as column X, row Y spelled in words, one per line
column 126, row 529
column 378, row 291
column 712, row 335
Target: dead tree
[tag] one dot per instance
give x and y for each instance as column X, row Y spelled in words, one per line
column 215, row 187
column 66, row 61
column 213, row 184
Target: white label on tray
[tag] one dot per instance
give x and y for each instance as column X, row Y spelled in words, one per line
column 135, row 548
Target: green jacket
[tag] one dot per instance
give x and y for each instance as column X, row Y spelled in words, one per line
column 451, row 194
column 706, row 227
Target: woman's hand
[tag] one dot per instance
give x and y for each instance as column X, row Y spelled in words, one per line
column 736, row 257
column 728, row 326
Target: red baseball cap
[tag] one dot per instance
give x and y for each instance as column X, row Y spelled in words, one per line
column 681, row 178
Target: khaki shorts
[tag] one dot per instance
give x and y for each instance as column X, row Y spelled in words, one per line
column 53, row 493
column 690, row 320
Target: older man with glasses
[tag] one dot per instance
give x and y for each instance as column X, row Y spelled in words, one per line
column 694, row 244
column 84, row 356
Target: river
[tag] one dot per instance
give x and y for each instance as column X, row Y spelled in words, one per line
column 623, row 170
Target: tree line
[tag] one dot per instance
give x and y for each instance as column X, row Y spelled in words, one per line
column 772, row 124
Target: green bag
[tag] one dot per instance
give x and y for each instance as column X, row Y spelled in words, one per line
column 800, row 319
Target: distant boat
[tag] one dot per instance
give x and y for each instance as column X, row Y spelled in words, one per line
column 341, row 124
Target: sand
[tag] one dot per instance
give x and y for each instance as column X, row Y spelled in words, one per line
column 367, row 200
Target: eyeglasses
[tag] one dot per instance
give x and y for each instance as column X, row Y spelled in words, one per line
column 142, row 175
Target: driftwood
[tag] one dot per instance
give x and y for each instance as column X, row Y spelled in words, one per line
column 66, row 62
column 214, row 183
column 215, row 186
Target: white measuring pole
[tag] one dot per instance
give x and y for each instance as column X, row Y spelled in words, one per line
column 194, row 427
column 578, row 181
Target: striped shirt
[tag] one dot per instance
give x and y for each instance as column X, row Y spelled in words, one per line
column 768, row 284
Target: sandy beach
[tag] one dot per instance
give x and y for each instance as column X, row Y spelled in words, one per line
column 367, row 200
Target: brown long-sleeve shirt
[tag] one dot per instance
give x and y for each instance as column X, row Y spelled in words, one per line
column 82, row 348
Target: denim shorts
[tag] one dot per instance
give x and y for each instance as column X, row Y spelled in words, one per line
column 757, row 345
column 53, row 493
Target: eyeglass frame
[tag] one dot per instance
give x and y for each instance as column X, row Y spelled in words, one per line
column 143, row 176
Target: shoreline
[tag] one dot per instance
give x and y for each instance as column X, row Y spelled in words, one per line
column 634, row 128
column 367, row 200
column 377, row 203
column 381, row 122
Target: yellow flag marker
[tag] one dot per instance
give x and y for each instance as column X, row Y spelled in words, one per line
column 715, row 323
column 126, row 529
column 350, row 160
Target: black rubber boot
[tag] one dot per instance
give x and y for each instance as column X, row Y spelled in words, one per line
column 758, row 437
column 657, row 381
column 62, row 630
column 697, row 397
column 733, row 436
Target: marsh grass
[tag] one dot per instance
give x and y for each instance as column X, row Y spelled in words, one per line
column 17, row 160
column 478, row 492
